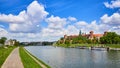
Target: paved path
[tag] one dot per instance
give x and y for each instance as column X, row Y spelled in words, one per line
column 13, row 60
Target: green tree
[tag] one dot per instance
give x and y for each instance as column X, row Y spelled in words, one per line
column 67, row 42
column 2, row 40
column 110, row 38
column 117, row 40
column 94, row 40
column 80, row 39
column 61, row 38
column 89, row 41
column 17, row 43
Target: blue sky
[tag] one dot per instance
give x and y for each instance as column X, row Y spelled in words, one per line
column 81, row 9
column 39, row 20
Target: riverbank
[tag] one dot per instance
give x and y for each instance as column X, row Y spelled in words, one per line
column 30, row 61
column 110, row 46
column 4, row 53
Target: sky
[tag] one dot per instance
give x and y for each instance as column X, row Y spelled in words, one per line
column 48, row 20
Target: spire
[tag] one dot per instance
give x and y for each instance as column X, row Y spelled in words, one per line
column 80, row 33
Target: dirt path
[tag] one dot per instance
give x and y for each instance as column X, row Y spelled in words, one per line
column 13, row 60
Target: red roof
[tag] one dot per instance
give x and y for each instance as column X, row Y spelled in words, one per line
column 98, row 35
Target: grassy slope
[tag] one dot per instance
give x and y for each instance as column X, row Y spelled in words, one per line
column 4, row 52
column 89, row 45
column 40, row 61
column 76, row 45
column 113, row 45
column 28, row 62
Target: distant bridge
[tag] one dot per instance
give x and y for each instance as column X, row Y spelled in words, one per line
column 37, row 43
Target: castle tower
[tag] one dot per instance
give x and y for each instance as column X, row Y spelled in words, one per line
column 105, row 33
column 80, row 33
column 91, row 32
column 91, row 35
column 65, row 36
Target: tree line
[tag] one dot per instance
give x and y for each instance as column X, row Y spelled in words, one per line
column 4, row 39
column 109, row 38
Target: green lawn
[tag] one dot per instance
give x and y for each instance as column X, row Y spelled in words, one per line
column 4, row 52
column 28, row 62
column 40, row 60
column 113, row 45
column 89, row 45
column 105, row 45
column 76, row 45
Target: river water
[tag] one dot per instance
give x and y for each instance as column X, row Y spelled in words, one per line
column 58, row 57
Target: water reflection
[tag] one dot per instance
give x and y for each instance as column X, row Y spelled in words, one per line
column 76, row 58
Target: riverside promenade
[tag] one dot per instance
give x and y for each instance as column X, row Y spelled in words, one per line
column 13, row 60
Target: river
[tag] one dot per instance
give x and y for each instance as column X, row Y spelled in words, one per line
column 58, row 57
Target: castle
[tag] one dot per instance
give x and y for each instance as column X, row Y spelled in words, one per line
column 90, row 36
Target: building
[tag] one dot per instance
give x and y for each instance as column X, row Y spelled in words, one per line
column 90, row 36
column 10, row 42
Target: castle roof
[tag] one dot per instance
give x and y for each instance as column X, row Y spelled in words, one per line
column 98, row 35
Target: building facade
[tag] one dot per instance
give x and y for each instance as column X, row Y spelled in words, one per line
column 10, row 42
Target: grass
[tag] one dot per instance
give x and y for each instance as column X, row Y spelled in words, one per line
column 89, row 45
column 76, row 45
column 40, row 61
column 113, row 45
column 29, row 62
column 4, row 53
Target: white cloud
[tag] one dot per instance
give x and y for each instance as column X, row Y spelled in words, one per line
column 112, row 23
column 55, row 34
column 28, row 20
column 56, row 22
column 11, row 18
column 26, row 26
column 23, row 37
column 72, row 30
column 113, row 4
column 115, row 29
column 55, row 27
column 106, row 23
column 82, row 23
column 3, row 32
column 72, row 18
column 94, row 26
column 48, row 32
column 58, row 27
column 111, row 20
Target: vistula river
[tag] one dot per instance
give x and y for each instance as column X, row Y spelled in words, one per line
column 58, row 57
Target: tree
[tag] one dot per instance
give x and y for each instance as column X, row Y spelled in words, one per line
column 17, row 43
column 94, row 40
column 67, row 42
column 110, row 38
column 89, row 41
column 80, row 39
column 2, row 40
column 117, row 40
column 61, row 38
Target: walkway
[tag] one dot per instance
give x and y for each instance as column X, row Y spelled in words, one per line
column 13, row 60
